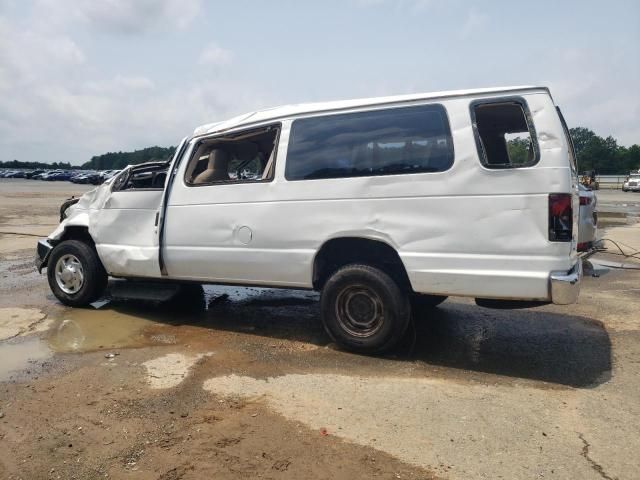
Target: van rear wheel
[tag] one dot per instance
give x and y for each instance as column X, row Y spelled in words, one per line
column 364, row 310
column 75, row 274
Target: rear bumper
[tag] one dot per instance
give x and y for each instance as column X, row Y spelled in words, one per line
column 43, row 250
column 565, row 286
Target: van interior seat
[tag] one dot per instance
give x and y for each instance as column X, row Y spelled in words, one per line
column 159, row 180
column 217, row 168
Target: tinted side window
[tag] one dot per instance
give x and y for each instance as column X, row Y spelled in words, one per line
column 383, row 142
column 505, row 136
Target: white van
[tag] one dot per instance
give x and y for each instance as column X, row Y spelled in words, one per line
column 384, row 205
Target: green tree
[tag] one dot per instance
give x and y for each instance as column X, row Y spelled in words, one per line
column 119, row 160
column 603, row 154
column 581, row 137
column 518, row 149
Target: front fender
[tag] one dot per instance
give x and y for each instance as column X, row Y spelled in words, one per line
column 77, row 218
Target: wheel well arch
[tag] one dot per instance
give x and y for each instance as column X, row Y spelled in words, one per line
column 77, row 232
column 338, row 252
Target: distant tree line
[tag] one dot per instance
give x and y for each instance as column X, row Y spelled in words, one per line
column 38, row 165
column 594, row 152
column 119, row 160
column 603, row 155
column 107, row 161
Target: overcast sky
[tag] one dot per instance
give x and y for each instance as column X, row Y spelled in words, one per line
column 82, row 77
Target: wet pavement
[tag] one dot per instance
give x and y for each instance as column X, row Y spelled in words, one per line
column 231, row 382
column 18, row 356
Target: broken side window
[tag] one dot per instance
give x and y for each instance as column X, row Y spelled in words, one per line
column 149, row 176
column 242, row 157
column 505, row 136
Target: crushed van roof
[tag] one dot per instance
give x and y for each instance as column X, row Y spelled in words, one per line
column 285, row 111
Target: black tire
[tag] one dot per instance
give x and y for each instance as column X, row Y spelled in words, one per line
column 364, row 310
column 94, row 275
column 422, row 304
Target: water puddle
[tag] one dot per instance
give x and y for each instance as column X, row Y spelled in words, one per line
column 130, row 323
column 82, row 330
column 19, row 354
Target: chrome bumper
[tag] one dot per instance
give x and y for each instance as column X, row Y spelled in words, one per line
column 565, row 286
column 43, row 251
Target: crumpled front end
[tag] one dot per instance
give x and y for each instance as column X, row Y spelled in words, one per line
column 81, row 214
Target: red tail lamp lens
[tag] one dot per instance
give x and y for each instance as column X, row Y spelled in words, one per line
column 560, row 217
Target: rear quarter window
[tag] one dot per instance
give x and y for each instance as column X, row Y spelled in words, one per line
column 381, row 142
column 504, row 133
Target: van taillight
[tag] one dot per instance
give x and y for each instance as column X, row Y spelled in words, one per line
column 560, row 217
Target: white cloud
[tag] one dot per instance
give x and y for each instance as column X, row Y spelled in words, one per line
column 588, row 87
column 120, row 84
column 134, row 82
column 65, row 96
column 473, row 22
column 57, row 103
column 121, row 16
column 214, row 54
column 27, row 54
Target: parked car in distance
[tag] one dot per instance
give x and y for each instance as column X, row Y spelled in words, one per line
column 632, row 183
column 61, row 175
column 33, row 173
column 49, row 173
column 94, row 178
column 107, row 174
column 386, row 206
column 81, row 177
column 588, row 222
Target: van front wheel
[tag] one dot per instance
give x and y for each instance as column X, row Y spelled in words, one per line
column 76, row 275
column 364, row 310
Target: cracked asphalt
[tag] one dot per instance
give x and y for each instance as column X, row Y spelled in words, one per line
column 243, row 382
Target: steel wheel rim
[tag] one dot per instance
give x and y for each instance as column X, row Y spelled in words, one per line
column 69, row 274
column 359, row 311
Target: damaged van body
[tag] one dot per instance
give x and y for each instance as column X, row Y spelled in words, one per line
column 386, row 206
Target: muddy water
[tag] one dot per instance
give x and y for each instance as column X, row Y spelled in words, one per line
column 18, row 354
column 81, row 330
column 126, row 324
column 201, row 321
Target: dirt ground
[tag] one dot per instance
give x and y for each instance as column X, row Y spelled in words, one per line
column 243, row 382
